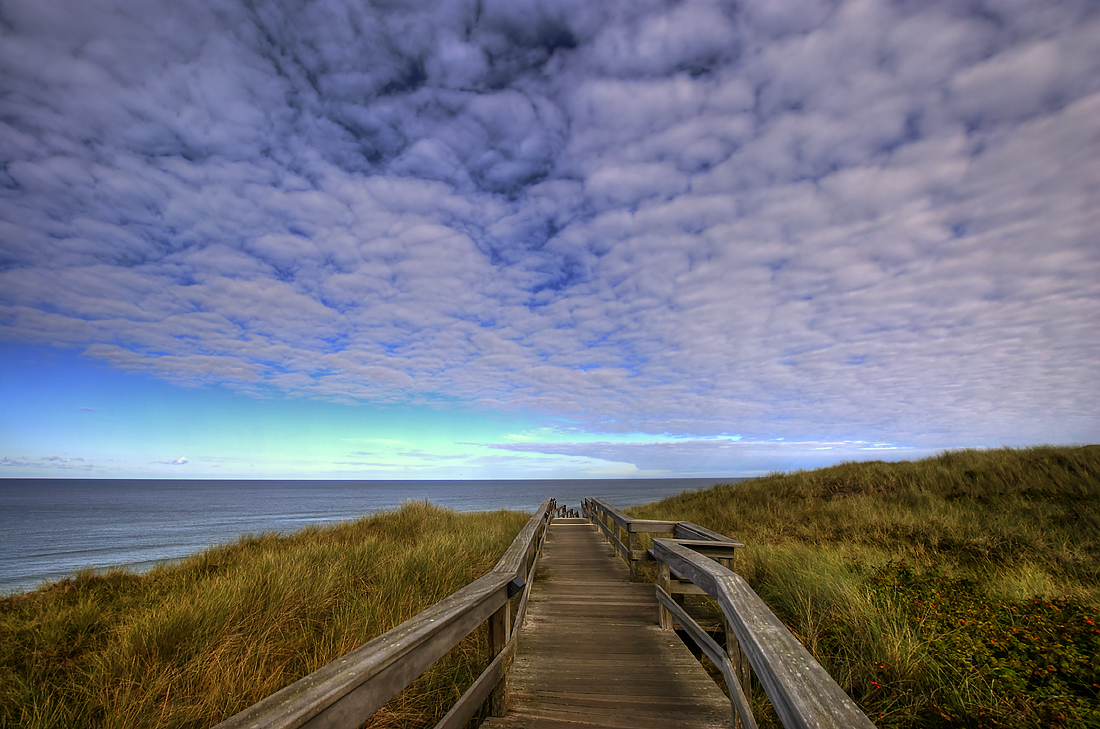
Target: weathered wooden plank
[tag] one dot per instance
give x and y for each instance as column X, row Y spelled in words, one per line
column 623, row 716
column 714, row 550
column 576, row 645
column 617, row 516
column 494, row 677
column 717, row 656
column 687, row 530
column 500, row 629
column 649, row 526
column 605, row 526
column 681, row 587
column 803, row 694
column 590, row 652
column 619, row 546
column 516, row 557
column 557, row 723
column 603, row 701
column 471, row 701
column 521, row 609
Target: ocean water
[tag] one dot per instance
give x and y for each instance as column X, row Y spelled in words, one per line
column 50, row 528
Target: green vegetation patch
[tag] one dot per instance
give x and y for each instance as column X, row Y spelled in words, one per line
column 958, row 590
column 1029, row 662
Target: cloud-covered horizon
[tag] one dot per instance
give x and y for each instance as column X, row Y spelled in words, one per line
column 833, row 222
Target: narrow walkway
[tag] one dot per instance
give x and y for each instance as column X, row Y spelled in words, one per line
column 591, row 653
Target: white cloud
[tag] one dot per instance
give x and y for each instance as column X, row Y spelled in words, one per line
column 831, row 221
column 717, row 456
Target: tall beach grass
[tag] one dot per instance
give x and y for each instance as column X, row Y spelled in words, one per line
column 958, row 590
column 191, row 644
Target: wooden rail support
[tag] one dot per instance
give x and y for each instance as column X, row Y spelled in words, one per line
column 632, row 546
column 699, row 561
column 803, row 694
column 664, row 581
column 499, row 635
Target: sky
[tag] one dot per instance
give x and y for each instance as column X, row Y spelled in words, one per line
column 545, row 239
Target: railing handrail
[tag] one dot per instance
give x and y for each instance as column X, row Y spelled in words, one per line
column 345, row 692
column 802, row 692
column 596, row 509
column 519, row 551
column 630, row 524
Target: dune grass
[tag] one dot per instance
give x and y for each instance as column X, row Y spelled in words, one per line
column 190, row 644
column 958, row 590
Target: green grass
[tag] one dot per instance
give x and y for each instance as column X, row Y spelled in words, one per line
column 958, row 590
column 191, row 644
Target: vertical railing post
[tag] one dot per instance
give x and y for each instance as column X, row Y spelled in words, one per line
column 632, row 546
column 500, row 623
column 740, row 662
column 664, row 581
column 500, row 628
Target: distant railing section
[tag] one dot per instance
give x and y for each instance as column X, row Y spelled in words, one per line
column 346, row 692
column 698, row 561
column 566, row 512
column 622, row 531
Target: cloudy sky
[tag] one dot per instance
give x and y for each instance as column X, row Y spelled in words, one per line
column 505, row 238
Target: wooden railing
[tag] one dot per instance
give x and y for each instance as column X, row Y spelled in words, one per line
column 622, row 531
column 700, row 561
column 566, row 512
column 346, row 692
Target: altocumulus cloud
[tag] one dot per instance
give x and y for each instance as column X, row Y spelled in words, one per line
column 840, row 220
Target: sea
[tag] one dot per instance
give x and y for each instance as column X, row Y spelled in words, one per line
column 50, row 528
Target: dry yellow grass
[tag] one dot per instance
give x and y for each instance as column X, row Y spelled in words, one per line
column 191, row 644
column 958, row 590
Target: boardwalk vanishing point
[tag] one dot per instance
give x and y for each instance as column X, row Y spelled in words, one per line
column 593, row 653
column 576, row 642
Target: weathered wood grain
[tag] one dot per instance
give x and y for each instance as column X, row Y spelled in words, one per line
column 687, row 530
column 518, row 555
column 591, row 653
column 619, row 517
column 803, row 694
column 465, row 708
column 716, row 654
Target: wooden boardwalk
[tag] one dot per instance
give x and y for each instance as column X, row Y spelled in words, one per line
column 591, row 653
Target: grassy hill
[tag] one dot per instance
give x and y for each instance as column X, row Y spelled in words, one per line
column 958, row 590
column 191, row 644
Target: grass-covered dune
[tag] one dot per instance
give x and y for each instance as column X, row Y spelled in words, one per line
column 958, row 590
column 190, row 644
